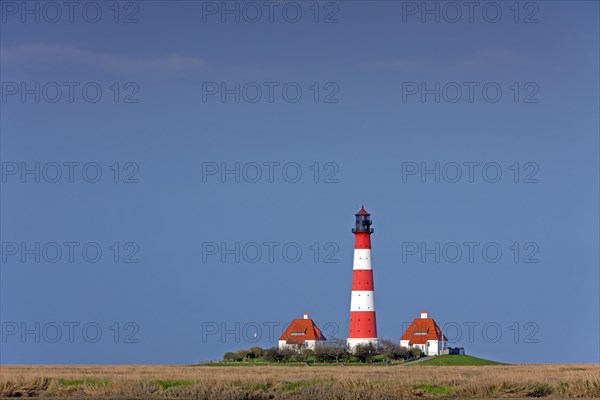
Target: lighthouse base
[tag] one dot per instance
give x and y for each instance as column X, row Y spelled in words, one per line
column 353, row 342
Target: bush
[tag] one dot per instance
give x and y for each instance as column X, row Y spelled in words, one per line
column 272, row 355
column 287, row 354
column 303, row 355
column 334, row 350
column 392, row 351
column 365, row 352
column 232, row 356
column 276, row 355
column 404, row 353
column 331, row 351
column 255, row 352
column 244, row 354
column 323, row 354
column 415, row 352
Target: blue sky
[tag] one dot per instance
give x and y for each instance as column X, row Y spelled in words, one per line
column 379, row 105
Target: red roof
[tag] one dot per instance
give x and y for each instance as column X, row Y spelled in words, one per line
column 302, row 329
column 362, row 211
column 421, row 330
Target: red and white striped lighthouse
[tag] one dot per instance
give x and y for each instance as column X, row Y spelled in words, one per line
column 363, row 325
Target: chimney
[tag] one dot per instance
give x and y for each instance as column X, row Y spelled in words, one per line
column 423, row 314
column 305, row 315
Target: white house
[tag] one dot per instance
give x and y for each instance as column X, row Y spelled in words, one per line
column 301, row 333
column 426, row 335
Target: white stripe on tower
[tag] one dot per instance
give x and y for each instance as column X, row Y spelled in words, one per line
column 362, row 300
column 362, row 259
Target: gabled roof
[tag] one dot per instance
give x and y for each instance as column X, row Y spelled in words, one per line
column 421, row 330
column 302, row 329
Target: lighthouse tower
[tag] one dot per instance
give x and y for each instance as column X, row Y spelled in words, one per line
column 363, row 326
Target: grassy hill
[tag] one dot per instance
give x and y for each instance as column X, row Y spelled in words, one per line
column 458, row 359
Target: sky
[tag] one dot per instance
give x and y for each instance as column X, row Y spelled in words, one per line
column 179, row 178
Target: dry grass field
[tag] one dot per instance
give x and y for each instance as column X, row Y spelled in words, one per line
column 299, row 382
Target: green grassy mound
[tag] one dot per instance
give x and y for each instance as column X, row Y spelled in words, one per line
column 457, row 359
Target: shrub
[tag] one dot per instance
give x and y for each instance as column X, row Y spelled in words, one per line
column 391, row 350
column 255, row 352
column 331, row 351
column 415, row 352
column 287, row 354
column 232, row 356
column 303, row 355
column 273, row 355
column 323, row 354
column 244, row 354
column 404, row 353
column 364, row 352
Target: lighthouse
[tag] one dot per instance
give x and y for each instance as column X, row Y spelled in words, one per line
column 363, row 325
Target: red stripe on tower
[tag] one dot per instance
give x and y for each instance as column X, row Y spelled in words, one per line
column 362, row 279
column 362, row 241
column 363, row 324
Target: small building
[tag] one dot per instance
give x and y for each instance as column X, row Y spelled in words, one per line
column 300, row 334
column 425, row 334
column 454, row 350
